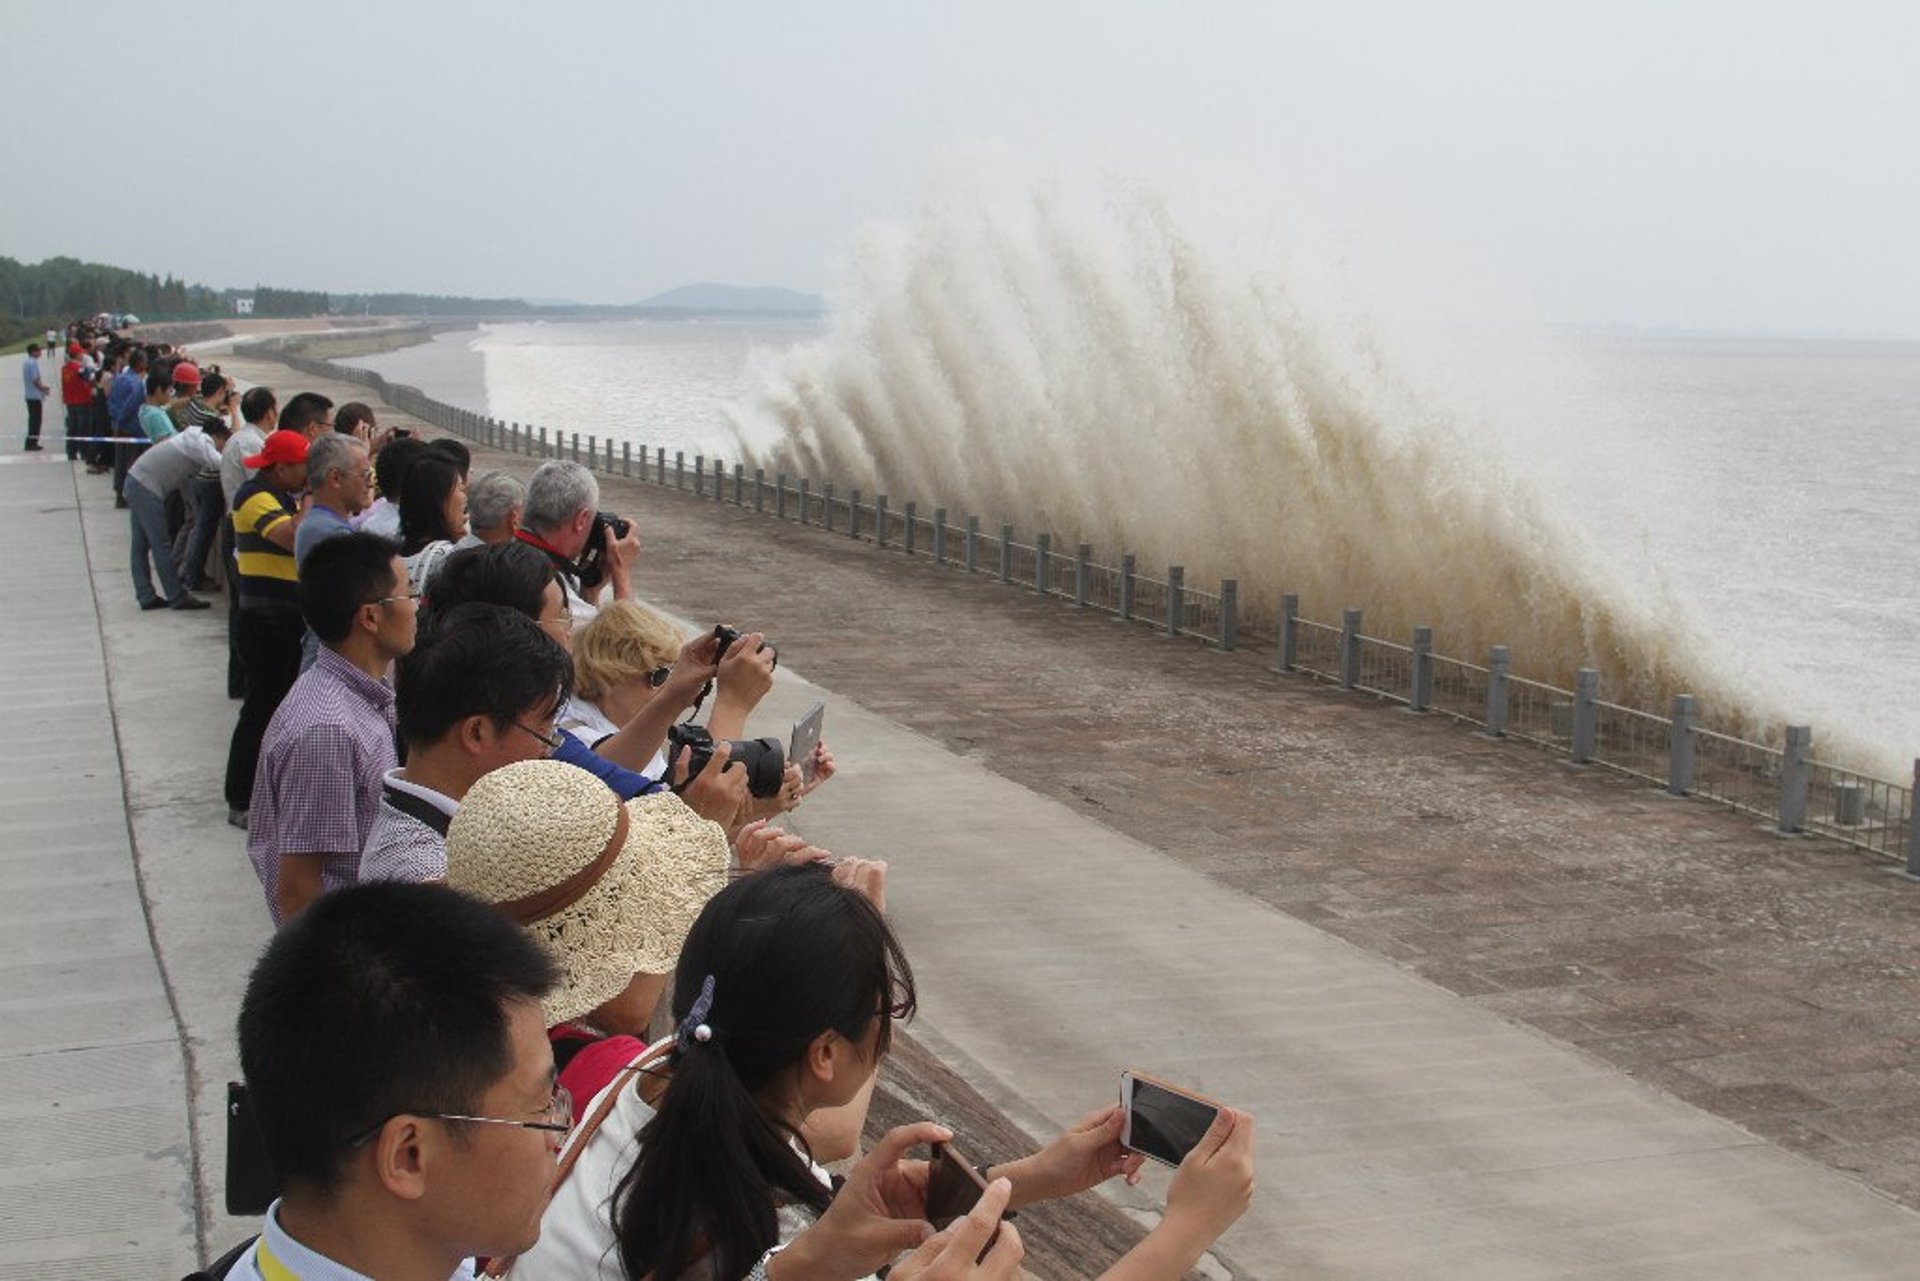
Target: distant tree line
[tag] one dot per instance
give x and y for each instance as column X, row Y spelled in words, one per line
column 36, row 297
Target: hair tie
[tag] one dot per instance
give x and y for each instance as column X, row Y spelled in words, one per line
column 694, row 1027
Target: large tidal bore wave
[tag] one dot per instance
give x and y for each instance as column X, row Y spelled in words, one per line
column 1099, row 363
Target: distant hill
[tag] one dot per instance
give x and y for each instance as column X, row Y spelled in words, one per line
column 737, row 298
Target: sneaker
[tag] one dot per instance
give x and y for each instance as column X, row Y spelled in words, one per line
column 155, row 603
column 120, row 501
column 33, row 447
column 237, row 818
column 190, row 602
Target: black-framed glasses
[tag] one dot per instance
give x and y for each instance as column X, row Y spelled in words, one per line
column 551, row 740
column 555, row 1118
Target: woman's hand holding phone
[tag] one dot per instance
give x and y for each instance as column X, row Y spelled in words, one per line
column 878, row 1212
column 1214, row 1185
column 953, row 1254
column 1084, row 1157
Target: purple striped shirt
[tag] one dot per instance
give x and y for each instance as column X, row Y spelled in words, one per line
column 317, row 789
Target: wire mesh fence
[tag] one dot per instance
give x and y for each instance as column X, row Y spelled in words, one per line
column 1735, row 772
column 1860, row 810
column 1459, row 690
column 1538, row 713
column 1317, row 649
column 1632, row 741
column 1386, row 669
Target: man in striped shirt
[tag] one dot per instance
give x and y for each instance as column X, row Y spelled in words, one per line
column 268, row 627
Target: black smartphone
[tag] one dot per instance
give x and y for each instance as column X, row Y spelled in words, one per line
column 953, row 1189
column 1163, row 1122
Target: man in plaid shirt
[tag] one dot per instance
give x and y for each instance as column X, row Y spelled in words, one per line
column 330, row 742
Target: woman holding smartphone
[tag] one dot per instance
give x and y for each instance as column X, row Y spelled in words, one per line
column 693, row 1165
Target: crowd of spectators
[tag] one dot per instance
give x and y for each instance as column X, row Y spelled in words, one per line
column 508, row 872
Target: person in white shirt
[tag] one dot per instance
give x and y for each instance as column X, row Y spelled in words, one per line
column 161, row 471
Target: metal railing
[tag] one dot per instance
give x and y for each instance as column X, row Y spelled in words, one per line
column 1784, row 784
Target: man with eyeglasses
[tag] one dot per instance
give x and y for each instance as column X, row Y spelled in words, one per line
column 394, row 1047
column 330, row 744
column 479, row 691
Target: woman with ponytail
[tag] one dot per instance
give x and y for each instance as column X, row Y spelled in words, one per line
column 693, row 1164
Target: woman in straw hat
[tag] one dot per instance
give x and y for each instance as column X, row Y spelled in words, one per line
column 695, row 1163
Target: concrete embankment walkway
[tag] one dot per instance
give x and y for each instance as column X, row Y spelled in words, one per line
column 1407, row 1130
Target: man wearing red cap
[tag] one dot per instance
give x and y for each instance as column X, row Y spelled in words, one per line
column 268, row 627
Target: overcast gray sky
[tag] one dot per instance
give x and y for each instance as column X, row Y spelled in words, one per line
column 1745, row 165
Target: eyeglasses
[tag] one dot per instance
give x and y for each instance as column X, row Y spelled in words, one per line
column 555, row 1118
column 563, row 619
column 388, row 600
column 551, row 740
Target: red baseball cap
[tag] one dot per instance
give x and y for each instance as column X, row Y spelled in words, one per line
column 281, row 447
column 186, row 374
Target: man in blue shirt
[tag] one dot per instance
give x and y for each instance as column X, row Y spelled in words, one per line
column 124, row 398
column 37, row 390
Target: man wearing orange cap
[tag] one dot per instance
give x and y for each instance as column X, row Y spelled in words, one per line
column 268, row 627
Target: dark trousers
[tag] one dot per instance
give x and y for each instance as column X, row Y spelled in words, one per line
column 127, row 446
column 205, row 507
column 34, row 409
column 269, row 642
column 79, row 424
column 236, row 669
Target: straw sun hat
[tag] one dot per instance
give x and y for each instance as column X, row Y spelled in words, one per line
column 610, row 890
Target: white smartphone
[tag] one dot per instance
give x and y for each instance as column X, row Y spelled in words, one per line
column 806, row 736
column 1162, row 1121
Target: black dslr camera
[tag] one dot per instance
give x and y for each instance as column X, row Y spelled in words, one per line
column 763, row 758
column 591, row 568
column 728, row 635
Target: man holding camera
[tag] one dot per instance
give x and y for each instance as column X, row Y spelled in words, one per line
column 589, row 548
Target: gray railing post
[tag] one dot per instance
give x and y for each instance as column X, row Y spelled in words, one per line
column 1499, row 692
column 1176, row 598
column 1127, row 587
column 1680, row 746
column 1349, row 649
column 826, row 504
column 1586, row 715
column 679, row 469
column 543, row 443
column 574, row 451
column 780, row 495
column 1229, row 612
column 1082, row 572
column 1420, row 696
column 806, row 500
column 939, row 535
column 513, row 439
column 1795, row 775
column 1006, row 553
column 700, row 475
column 880, row 520
column 593, row 451
column 910, row 516
column 760, row 489
column 626, row 459
column 972, row 549
column 1289, row 632
column 609, row 455
column 1913, row 823
column 739, row 485
column 853, row 513
column 1042, row 547
column 660, row 467
column 719, row 481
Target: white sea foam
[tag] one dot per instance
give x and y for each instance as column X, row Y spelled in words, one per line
column 1108, row 363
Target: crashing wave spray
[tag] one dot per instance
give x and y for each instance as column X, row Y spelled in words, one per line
column 1088, row 361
